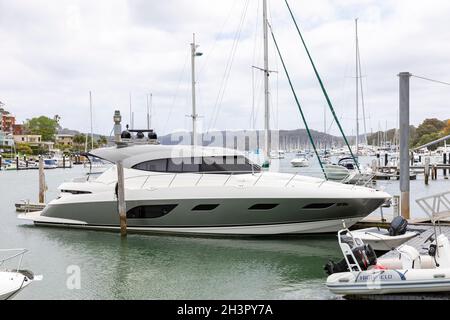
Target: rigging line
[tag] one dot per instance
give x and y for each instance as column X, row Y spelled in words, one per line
column 227, row 72
column 362, row 96
column 298, row 103
column 322, row 87
column 180, row 78
column 432, row 80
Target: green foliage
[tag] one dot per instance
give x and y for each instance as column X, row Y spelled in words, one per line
column 24, row 148
column 43, row 126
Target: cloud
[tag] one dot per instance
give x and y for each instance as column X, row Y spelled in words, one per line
column 54, row 53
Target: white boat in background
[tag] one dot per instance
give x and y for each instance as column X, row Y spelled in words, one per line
column 381, row 239
column 12, row 281
column 336, row 172
column 277, row 154
column 299, row 162
column 50, row 163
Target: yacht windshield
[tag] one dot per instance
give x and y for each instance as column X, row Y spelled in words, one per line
column 222, row 164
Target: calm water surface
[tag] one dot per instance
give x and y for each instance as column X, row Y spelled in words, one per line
column 165, row 267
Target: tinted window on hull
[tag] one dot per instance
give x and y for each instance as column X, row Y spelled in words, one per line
column 149, row 212
column 263, row 206
column 318, row 205
column 205, row 207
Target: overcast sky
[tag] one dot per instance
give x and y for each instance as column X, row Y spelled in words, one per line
column 54, row 52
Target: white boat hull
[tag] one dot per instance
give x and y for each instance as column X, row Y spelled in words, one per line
column 380, row 240
column 390, row 281
column 11, row 283
column 326, row 226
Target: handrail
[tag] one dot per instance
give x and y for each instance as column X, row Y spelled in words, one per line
column 21, row 253
column 360, row 179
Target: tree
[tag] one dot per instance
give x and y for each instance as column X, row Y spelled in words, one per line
column 102, row 141
column 24, row 148
column 446, row 130
column 43, row 126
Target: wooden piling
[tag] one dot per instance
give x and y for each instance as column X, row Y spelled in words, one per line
column 64, row 161
column 444, row 161
column 1, row 161
column 434, row 172
column 426, row 170
column 121, row 199
column 41, row 180
column 386, row 159
column 17, row 162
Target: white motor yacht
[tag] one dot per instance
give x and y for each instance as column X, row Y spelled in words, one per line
column 205, row 190
column 12, row 281
column 299, row 162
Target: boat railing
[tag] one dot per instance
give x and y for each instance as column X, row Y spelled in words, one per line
column 258, row 177
column 436, row 206
column 12, row 253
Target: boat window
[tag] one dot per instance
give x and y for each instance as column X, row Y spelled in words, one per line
column 318, row 205
column 150, row 212
column 200, row 164
column 205, row 207
column 342, row 204
column 159, row 165
column 75, row 191
column 263, row 206
column 174, row 165
column 191, row 164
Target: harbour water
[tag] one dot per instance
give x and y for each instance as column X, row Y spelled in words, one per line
column 166, row 267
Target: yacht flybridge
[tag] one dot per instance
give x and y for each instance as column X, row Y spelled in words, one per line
column 205, row 190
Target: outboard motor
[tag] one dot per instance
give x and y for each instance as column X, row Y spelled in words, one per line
column 398, row 226
column 364, row 254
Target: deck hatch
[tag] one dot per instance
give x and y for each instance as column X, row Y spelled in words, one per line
column 150, row 212
column 263, row 206
column 205, row 207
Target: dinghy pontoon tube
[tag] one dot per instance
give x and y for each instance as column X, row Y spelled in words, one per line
column 361, row 272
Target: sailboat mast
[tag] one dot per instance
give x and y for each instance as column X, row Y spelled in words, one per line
column 194, row 112
column 357, row 84
column 266, row 82
column 148, row 113
column 92, row 130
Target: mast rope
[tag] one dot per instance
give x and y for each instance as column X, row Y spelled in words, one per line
column 297, row 102
column 324, row 91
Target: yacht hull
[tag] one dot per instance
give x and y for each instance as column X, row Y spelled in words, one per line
column 232, row 216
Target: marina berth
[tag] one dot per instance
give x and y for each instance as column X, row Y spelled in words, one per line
column 205, row 190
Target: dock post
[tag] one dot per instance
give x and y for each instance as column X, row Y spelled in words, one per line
column 444, row 161
column 386, row 159
column 41, row 180
column 1, row 161
column 434, row 172
column 121, row 199
column 26, row 161
column 426, row 170
column 17, row 162
column 404, row 142
column 122, row 207
column 64, row 161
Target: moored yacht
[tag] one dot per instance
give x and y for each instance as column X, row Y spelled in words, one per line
column 205, row 190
